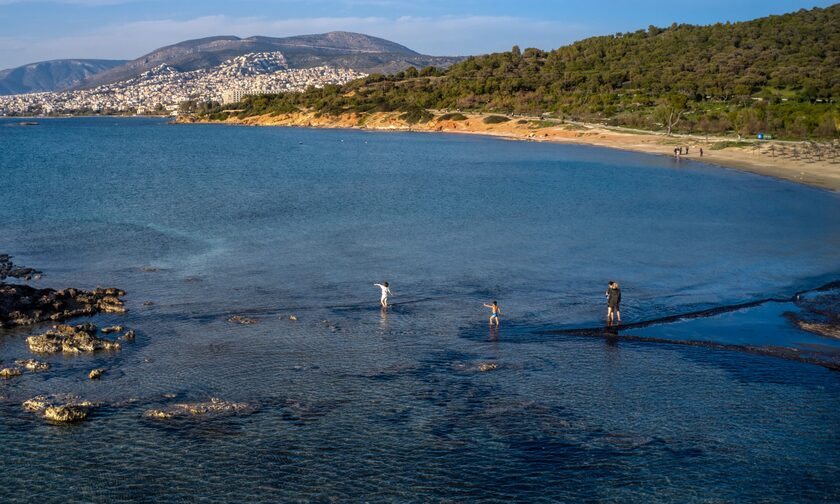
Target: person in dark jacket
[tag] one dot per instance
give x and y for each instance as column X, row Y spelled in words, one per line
column 613, row 296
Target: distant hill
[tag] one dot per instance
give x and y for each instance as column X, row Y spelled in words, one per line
column 359, row 52
column 778, row 74
column 55, row 75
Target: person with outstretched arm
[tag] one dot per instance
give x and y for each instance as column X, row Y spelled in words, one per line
column 385, row 293
column 495, row 312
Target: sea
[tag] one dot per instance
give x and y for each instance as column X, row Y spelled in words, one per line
column 711, row 395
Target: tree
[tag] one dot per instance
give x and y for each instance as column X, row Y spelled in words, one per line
column 671, row 110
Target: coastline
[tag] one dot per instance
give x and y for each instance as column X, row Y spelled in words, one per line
column 821, row 174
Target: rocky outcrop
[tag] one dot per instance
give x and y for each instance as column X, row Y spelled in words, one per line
column 241, row 319
column 59, row 408
column 10, row 372
column 66, row 413
column 25, row 305
column 32, row 365
column 70, row 339
column 819, row 313
column 9, row 269
column 214, row 406
column 96, row 374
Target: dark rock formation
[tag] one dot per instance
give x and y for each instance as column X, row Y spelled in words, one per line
column 70, row 339
column 820, row 314
column 25, row 305
column 9, row 269
column 214, row 406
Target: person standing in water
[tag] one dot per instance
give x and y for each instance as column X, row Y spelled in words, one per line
column 613, row 296
column 494, row 316
column 385, row 293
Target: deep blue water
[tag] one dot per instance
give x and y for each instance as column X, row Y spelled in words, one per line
column 357, row 404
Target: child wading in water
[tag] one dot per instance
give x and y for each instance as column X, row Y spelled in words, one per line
column 496, row 312
column 385, row 293
column 613, row 295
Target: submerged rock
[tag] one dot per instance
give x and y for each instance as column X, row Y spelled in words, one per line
column 70, row 339
column 214, row 406
column 32, row 365
column 96, row 374
column 241, row 319
column 128, row 336
column 110, row 329
column 59, row 408
column 820, row 314
column 481, row 367
column 158, row 414
column 9, row 269
column 10, row 372
column 25, row 305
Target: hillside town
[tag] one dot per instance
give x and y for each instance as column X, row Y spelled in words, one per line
column 163, row 88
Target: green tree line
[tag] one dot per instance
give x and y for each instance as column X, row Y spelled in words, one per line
column 778, row 75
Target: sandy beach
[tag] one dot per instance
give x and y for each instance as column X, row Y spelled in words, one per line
column 757, row 157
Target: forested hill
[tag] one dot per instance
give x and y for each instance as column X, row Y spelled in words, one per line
column 779, row 74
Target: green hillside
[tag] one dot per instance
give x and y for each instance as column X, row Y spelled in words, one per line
column 778, row 75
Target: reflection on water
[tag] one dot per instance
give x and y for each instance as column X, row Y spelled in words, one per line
column 421, row 401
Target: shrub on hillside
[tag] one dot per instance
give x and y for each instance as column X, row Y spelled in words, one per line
column 453, row 116
column 495, row 119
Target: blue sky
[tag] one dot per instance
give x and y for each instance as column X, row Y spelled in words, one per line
column 37, row 30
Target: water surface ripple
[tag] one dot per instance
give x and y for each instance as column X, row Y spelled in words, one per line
column 423, row 402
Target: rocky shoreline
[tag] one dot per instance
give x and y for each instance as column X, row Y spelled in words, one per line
column 22, row 305
column 25, row 305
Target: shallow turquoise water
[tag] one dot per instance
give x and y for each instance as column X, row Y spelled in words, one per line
column 353, row 403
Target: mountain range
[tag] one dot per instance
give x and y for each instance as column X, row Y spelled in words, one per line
column 356, row 51
column 52, row 75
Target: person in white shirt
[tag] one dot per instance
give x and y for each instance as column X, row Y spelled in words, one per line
column 385, row 293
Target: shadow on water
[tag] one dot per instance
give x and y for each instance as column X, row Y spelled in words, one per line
column 804, row 348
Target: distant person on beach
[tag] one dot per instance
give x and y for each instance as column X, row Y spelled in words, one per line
column 494, row 316
column 613, row 296
column 385, row 293
column 701, row 151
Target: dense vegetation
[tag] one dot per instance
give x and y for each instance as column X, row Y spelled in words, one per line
column 777, row 75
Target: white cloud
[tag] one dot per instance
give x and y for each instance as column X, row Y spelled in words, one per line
column 446, row 35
